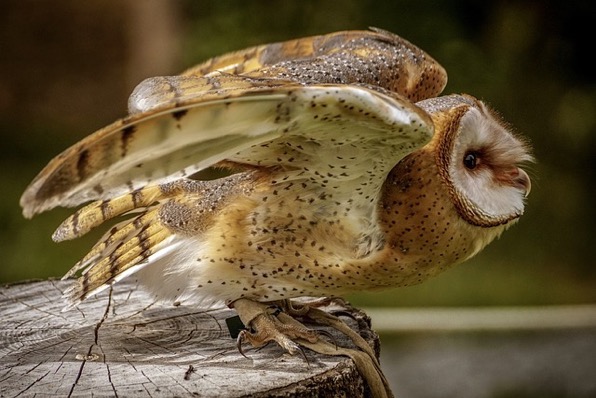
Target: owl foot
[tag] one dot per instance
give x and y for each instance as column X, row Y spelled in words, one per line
column 277, row 323
column 268, row 323
column 309, row 312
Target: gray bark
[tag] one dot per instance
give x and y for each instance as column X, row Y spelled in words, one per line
column 121, row 343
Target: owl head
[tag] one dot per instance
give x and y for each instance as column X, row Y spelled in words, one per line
column 478, row 158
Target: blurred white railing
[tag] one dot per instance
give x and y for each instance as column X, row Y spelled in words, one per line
column 387, row 320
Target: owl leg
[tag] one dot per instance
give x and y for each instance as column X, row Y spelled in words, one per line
column 271, row 324
column 310, row 312
column 268, row 324
column 365, row 359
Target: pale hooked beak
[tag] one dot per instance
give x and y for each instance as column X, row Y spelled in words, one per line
column 522, row 181
column 516, row 178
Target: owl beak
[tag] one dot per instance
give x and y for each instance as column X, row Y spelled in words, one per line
column 522, row 181
column 517, row 178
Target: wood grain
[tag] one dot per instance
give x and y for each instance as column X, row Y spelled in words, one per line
column 121, row 343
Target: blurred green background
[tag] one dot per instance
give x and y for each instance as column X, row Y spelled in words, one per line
column 67, row 67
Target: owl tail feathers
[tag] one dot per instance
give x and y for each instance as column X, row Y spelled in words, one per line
column 94, row 214
column 125, row 249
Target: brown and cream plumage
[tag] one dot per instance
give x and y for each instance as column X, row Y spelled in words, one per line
column 347, row 173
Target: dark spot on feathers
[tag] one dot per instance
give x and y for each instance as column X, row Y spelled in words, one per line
column 82, row 164
column 137, row 197
column 125, row 137
column 179, row 114
column 105, row 207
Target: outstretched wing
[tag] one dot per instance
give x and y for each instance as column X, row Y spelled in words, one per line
column 262, row 126
column 342, row 103
column 378, row 58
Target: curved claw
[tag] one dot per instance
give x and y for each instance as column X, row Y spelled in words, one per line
column 304, row 356
column 329, row 336
column 239, row 340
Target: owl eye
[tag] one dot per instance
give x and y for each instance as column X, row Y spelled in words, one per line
column 471, row 160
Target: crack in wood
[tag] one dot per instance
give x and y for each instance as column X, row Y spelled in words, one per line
column 110, row 379
column 95, row 342
column 32, row 384
column 150, row 360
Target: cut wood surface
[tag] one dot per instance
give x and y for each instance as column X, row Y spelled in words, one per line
column 122, row 343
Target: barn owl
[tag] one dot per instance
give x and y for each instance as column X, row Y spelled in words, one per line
column 346, row 172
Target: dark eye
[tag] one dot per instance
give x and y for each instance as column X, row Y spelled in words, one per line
column 471, row 160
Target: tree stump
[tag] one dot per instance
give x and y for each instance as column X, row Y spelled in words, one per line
column 122, row 343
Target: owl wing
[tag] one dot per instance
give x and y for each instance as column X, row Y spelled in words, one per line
column 377, row 57
column 352, row 91
column 258, row 57
column 264, row 124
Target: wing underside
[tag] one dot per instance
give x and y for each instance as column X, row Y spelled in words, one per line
column 258, row 128
column 354, row 86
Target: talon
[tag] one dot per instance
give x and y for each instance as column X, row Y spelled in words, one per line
column 239, row 340
column 329, row 336
column 304, row 356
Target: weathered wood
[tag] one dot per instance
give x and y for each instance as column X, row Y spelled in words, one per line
column 131, row 346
